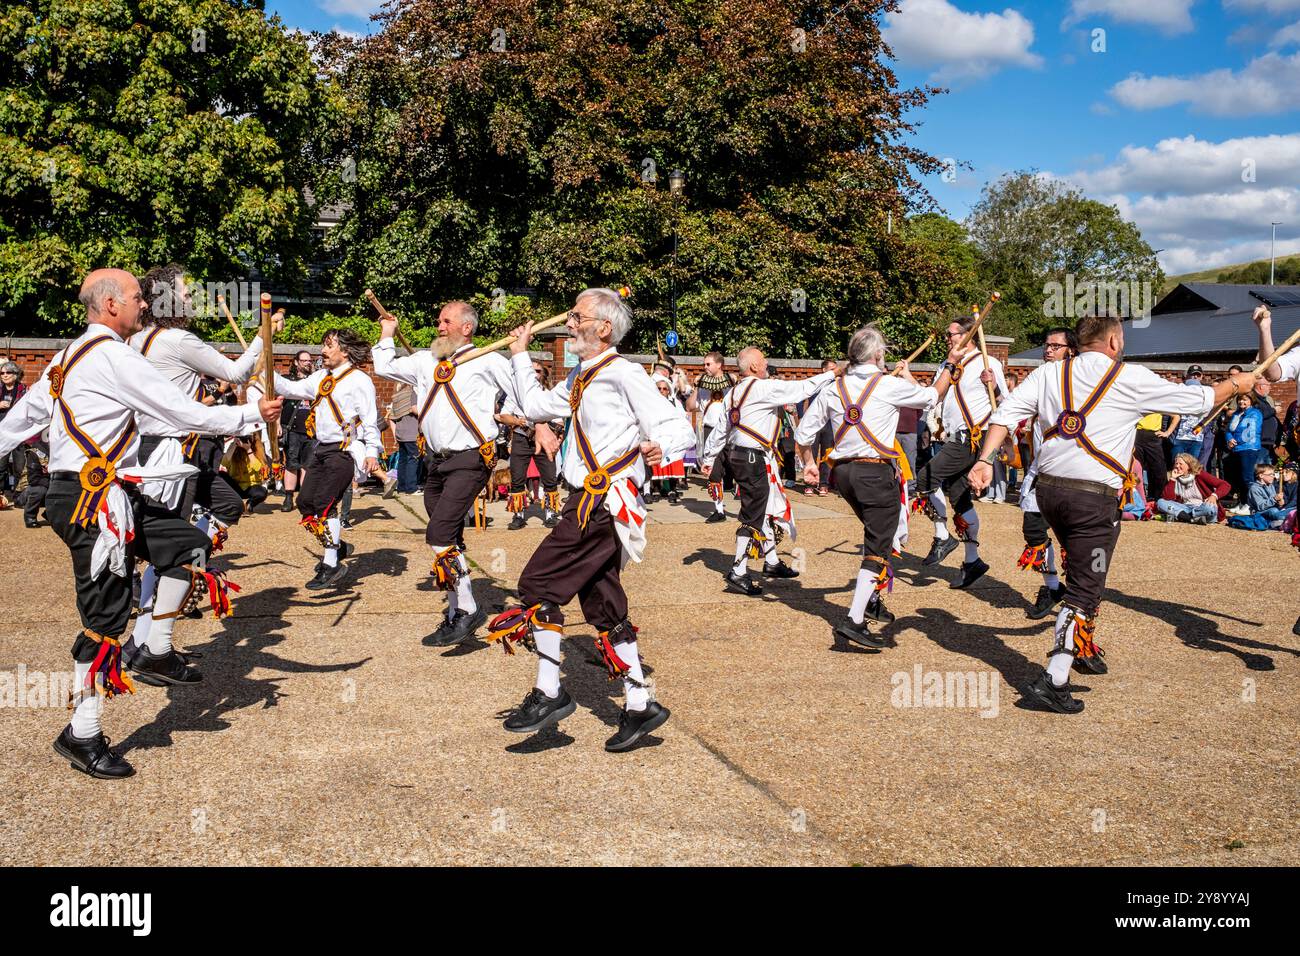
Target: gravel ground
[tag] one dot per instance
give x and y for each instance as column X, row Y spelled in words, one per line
column 326, row 733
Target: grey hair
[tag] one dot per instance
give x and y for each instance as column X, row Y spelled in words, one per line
column 93, row 296
column 609, row 307
column 466, row 313
column 866, row 343
column 12, row 367
column 747, row 359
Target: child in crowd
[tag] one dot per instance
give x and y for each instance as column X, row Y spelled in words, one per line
column 1264, row 496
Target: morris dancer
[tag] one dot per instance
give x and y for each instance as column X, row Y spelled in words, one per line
column 966, row 411
column 1093, row 403
column 714, row 382
column 538, row 443
column 618, row 419
column 753, row 408
column 458, row 433
column 867, row 463
column 184, row 359
column 1040, row 554
column 90, row 396
column 344, row 420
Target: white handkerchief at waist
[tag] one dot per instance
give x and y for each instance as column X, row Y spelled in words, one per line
column 168, row 458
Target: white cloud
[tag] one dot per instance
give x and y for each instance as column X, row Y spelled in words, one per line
column 1170, row 16
column 1268, row 84
column 1193, row 258
column 1187, row 165
column 361, row 9
column 960, row 45
column 1265, row 6
column 1287, row 36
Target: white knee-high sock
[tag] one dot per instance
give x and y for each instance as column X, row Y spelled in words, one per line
column 742, row 556
column 336, row 535
column 144, row 620
column 1058, row 665
column 769, row 546
column 1049, row 559
column 548, row 671
column 862, row 592
column 973, row 545
column 465, row 594
column 85, row 718
column 637, row 697
column 717, row 505
column 171, row 593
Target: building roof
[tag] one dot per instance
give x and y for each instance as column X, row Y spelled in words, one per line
column 1203, row 319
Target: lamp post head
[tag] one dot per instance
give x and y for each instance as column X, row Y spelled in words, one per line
column 677, row 182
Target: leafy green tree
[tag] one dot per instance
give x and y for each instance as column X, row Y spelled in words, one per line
column 137, row 132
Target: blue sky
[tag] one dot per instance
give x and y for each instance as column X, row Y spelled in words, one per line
column 1187, row 116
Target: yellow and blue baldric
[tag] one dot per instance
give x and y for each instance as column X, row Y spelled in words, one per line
column 1072, row 423
column 599, row 478
column 100, row 469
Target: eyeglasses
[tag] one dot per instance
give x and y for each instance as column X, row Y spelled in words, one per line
column 580, row 318
column 1054, row 345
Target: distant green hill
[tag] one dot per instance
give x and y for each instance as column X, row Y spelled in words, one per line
column 1287, row 273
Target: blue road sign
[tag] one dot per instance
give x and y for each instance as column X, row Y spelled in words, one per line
column 670, row 340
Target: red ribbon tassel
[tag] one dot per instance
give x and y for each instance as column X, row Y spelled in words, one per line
column 613, row 663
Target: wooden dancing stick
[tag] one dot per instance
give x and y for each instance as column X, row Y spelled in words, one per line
column 268, row 354
column 221, row 301
column 979, row 320
column 912, row 358
column 503, row 342
column 385, row 314
column 1258, row 371
column 984, row 350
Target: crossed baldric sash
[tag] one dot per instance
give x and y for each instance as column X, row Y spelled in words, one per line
column 100, row 469
column 853, row 421
column 443, row 373
column 191, row 441
column 975, row 429
column 325, row 393
column 599, row 478
column 733, row 421
column 1071, row 424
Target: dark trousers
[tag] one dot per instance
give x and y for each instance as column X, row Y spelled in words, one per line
column 328, row 478
column 1149, row 449
column 449, row 492
column 38, row 482
column 210, row 488
column 947, row 470
column 1086, row 525
column 298, row 447
column 161, row 538
column 584, row 563
column 1034, row 526
column 749, row 466
column 408, row 467
column 521, row 453
column 871, row 490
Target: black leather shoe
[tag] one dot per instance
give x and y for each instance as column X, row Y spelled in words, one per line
column 551, row 520
column 92, row 756
column 742, row 584
column 779, row 570
column 517, row 522
column 288, row 503
column 715, row 517
column 971, row 571
column 345, row 551
column 161, row 670
column 438, row 637
column 877, row 611
column 940, row 550
column 462, row 628
column 1091, row 663
column 538, row 711
column 861, row 634
column 635, row 724
column 327, row 578
column 1059, row 699
column 1046, row 603
column 31, row 522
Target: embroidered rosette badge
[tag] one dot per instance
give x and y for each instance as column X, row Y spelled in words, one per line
column 56, row 381
column 1071, row 424
column 596, row 483
column 327, row 385
column 853, row 414
column 733, row 416
column 444, row 372
column 956, row 373
column 575, row 395
column 96, row 473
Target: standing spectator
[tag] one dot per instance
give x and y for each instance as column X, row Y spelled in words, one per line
column 1265, row 498
column 1269, row 426
column 1186, row 439
column 11, row 390
column 406, row 432
column 1216, row 437
column 1149, row 448
column 1192, row 494
column 298, row 445
column 38, row 479
column 1243, row 449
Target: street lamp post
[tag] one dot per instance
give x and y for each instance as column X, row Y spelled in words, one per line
column 1272, row 255
column 676, row 187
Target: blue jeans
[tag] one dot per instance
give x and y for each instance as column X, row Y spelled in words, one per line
column 1273, row 514
column 1187, row 447
column 408, row 467
column 1172, row 509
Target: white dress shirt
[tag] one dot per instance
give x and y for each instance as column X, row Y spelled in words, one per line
column 1289, row 365
column 879, row 414
column 715, row 415
column 104, row 391
column 354, row 395
column 184, row 359
column 620, row 408
column 760, row 401
column 974, row 392
column 476, row 384
column 1111, row 426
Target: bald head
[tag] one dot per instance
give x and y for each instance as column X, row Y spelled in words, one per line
column 112, row 298
column 751, row 361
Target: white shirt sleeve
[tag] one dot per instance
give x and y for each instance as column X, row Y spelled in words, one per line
column 147, row 390
column 1024, row 401
column 1174, row 398
column 304, row 389
column 388, row 365
column 369, row 412
column 718, row 436
column 658, row 418
column 29, row 415
column 814, row 417
column 202, row 357
column 791, row 393
column 1289, row 364
column 539, row 404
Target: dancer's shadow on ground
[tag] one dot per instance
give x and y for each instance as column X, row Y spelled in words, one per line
column 1197, row 628
column 387, row 562
column 230, row 657
column 995, row 592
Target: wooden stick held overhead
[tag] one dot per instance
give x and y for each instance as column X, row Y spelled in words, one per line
column 221, row 301
column 385, row 314
column 912, row 358
column 268, row 351
column 503, row 342
column 984, row 350
column 1258, row 371
column 979, row 321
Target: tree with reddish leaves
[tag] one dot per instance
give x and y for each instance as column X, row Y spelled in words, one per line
column 504, row 144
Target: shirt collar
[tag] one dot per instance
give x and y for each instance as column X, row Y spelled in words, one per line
column 100, row 330
column 866, row 368
column 588, row 364
column 338, row 372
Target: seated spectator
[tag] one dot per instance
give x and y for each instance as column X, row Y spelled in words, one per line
column 1192, row 495
column 1265, row 498
column 1290, row 483
column 1135, row 506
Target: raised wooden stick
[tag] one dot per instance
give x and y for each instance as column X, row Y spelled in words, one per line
column 385, row 314
column 1258, row 371
column 979, row 321
column 268, row 352
column 503, row 342
column 984, row 350
column 221, row 301
column 898, row 368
